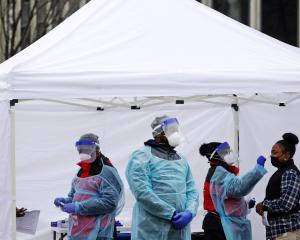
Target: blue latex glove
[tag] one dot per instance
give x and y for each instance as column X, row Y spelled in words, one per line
column 251, row 203
column 180, row 220
column 261, row 161
column 69, row 208
column 58, row 201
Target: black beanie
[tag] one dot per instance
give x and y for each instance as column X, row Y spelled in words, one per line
column 289, row 142
column 206, row 149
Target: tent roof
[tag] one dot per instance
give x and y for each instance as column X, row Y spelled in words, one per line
column 150, row 48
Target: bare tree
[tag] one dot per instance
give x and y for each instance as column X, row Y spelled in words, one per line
column 24, row 21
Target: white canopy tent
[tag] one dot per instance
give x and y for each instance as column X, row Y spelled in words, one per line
column 141, row 55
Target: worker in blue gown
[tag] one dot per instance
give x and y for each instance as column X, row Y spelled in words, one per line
column 96, row 195
column 227, row 193
column 161, row 181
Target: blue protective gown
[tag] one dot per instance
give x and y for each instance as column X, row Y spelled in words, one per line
column 160, row 187
column 98, row 199
column 227, row 192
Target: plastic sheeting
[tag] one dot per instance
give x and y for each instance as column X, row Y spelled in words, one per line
column 6, row 198
column 46, row 156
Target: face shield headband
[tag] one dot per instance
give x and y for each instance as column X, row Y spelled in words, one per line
column 86, row 146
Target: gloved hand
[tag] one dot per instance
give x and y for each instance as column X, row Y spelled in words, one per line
column 69, row 208
column 251, row 203
column 180, row 220
column 58, row 201
column 261, row 161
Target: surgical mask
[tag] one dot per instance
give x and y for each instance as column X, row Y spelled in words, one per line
column 84, row 156
column 231, row 158
column 174, row 139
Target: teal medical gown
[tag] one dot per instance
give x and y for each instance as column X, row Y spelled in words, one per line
column 227, row 192
column 160, row 187
column 98, row 199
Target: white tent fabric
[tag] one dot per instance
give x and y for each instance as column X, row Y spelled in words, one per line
column 53, row 156
column 150, row 48
column 139, row 48
column 6, row 193
column 47, row 150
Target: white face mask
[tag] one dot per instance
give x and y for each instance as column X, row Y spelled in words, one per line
column 174, row 139
column 231, row 158
column 84, row 156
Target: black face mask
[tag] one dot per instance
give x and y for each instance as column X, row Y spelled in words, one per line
column 276, row 163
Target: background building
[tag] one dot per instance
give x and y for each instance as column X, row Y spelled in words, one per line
column 24, row 21
column 277, row 18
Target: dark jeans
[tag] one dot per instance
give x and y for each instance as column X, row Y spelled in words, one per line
column 212, row 226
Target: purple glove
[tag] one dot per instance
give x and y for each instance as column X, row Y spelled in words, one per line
column 180, row 220
column 261, row 161
column 58, row 201
column 251, row 203
column 69, row 208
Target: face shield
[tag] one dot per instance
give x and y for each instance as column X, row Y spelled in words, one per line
column 172, row 131
column 86, row 150
column 226, row 153
column 170, row 126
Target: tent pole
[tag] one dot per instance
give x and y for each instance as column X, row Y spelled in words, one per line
column 235, row 109
column 13, row 170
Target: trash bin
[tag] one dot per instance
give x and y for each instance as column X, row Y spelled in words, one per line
column 198, row 236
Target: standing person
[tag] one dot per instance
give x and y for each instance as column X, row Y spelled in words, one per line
column 283, row 192
column 224, row 192
column 163, row 185
column 96, row 196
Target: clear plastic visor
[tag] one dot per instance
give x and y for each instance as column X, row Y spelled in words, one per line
column 86, row 146
column 223, row 149
column 170, row 126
